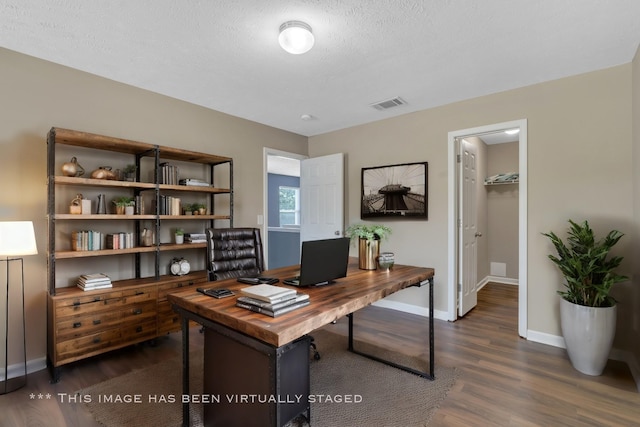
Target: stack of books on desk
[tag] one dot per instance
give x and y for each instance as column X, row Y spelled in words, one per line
column 271, row 300
column 90, row 282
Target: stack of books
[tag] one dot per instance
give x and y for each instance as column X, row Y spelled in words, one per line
column 271, row 300
column 90, row 282
column 195, row 238
column 194, row 182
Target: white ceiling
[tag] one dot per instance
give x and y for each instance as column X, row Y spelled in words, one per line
column 224, row 55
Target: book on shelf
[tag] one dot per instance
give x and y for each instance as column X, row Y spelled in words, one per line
column 87, row 240
column 170, row 205
column 195, row 238
column 94, row 277
column 89, row 282
column 95, row 287
column 194, row 182
column 299, row 297
column 168, row 173
column 272, row 313
column 139, row 205
column 119, row 241
column 269, row 293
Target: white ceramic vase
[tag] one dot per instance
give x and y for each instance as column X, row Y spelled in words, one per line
column 588, row 334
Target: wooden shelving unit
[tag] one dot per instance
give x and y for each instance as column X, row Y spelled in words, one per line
column 85, row 323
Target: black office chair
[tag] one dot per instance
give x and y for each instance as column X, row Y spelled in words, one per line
column 237, row 252
column 234, row 252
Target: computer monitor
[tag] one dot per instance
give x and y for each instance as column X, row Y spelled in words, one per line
column 322, row 261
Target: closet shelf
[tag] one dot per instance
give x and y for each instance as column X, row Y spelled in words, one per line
column 503, row 178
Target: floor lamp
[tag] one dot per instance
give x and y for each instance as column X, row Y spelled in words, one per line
column 17, row 239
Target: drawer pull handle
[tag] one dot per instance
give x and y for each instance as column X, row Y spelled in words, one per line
column 96, row 340
column 139, row 292
column 137, row 311
column 97, row 322
column 139, row 329
column 96, row 299
column 76, row 303
column 77, row 324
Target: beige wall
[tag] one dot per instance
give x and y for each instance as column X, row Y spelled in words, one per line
column 37, row 95
column 502, row 205
column 631, row 316
column 579, row 164
column 579, row 158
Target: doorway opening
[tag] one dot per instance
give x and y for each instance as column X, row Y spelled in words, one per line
column 280, row 223
column 458, row 267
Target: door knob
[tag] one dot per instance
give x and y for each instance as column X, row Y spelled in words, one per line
column 478, row 234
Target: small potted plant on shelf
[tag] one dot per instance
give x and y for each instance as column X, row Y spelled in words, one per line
column 129, row 172
column 188, row 210
column 179, row 236
column 124, row 205
column 199, row 209
column 369, row 237
column 587, row 311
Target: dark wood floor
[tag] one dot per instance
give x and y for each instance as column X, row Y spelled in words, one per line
column 504, row 380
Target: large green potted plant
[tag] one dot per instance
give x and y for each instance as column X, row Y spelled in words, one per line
column 369, row 237
column 587, row 310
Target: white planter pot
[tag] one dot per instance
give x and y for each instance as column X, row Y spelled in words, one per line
column 588, row 334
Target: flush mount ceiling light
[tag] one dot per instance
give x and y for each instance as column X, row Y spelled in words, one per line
column 512, row 131
column 296, row 37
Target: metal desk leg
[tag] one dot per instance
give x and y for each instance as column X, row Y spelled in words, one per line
column 432, row 362
column 185, row 370
column 429, row 375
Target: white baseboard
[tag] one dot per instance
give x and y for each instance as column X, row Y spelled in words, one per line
column 616, row 354
column 631, row 361
column 544, row 338
column 17, row 370
column 410, row 308
column 498, row 279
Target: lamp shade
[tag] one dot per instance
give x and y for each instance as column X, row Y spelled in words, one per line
column 296, row 37
column 17, row 238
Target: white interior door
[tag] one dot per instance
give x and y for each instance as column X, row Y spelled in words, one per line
column 322, row 197
column 468, row 293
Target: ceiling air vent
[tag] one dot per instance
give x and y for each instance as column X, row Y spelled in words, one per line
column 389, row 103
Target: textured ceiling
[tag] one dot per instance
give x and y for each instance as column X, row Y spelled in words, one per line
column 224, row 55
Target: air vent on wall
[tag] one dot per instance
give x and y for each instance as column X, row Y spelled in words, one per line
column 389, row 103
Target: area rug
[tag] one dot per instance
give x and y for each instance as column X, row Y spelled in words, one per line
column 346, row 390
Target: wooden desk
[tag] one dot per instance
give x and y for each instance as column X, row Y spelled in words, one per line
column 328, row 303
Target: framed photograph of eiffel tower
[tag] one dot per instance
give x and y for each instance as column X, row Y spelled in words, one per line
column 395, row 191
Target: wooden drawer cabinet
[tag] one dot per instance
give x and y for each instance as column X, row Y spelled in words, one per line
column 77, row 326
column 84, row 324
column 168, row 320
column 88, row 304
column 89, row 345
